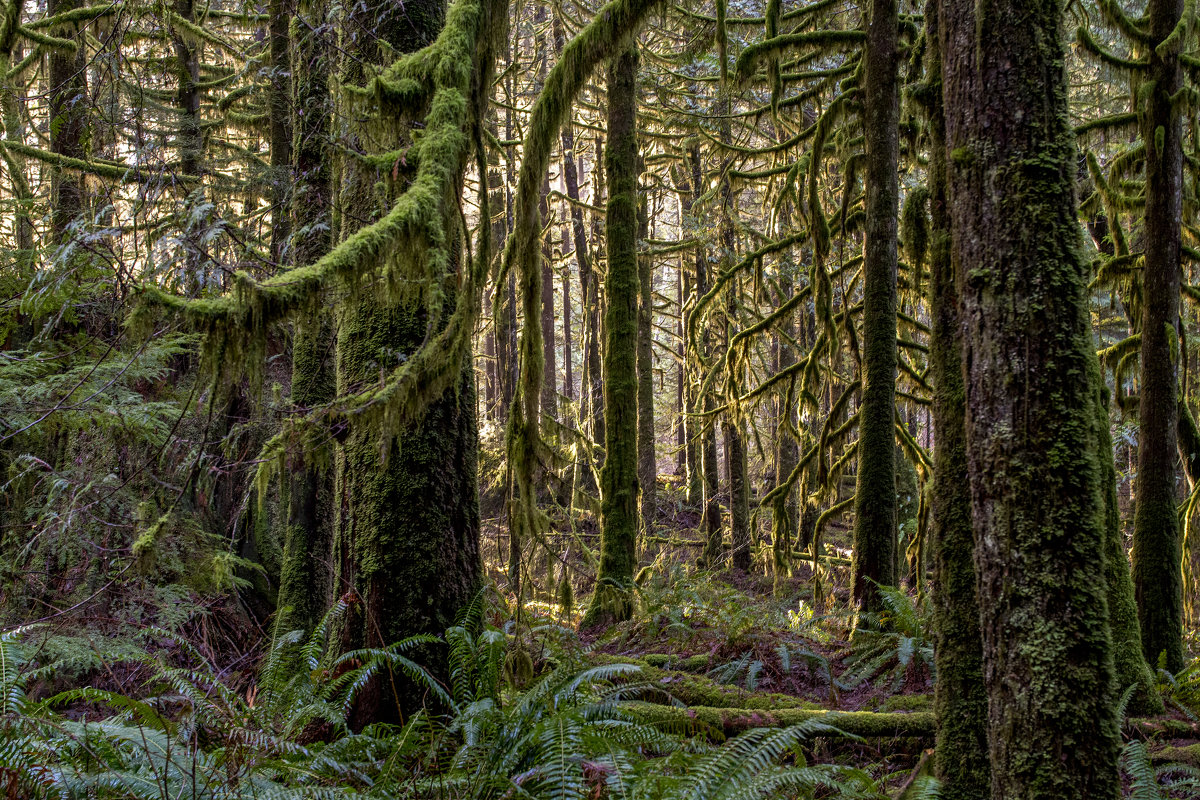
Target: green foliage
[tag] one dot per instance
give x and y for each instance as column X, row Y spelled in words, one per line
column 895, row 643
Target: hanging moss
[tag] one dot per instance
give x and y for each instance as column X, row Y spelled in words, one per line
column 607, row 32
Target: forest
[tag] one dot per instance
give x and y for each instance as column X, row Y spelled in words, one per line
column 707, row 399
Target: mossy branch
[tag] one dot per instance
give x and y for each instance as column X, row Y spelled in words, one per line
column 825, row 40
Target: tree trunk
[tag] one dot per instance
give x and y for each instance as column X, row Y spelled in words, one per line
column 613, row 601
column 1036, row 495
column 647, row 458
column 875, row 495
column 68, row 110
column 711, row 555
column 960, row 700
column 410, row 528
column 280, row 113
column 1156, row 535
column 305, row 584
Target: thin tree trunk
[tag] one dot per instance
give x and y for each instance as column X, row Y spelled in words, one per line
column 280, row 114
column 647, row 458
column 874, row 560
column 613, row 600
column 1157, row 554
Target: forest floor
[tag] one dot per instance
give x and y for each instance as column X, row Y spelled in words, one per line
column 727, row 651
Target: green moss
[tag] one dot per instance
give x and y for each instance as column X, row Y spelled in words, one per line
column 612, row 601
column 875, row 493
column 1186, row 754
column 718, row 722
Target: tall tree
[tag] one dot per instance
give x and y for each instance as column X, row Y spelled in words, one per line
column 68, row 109
column 409, row 536
column 647, row 457
column 1036, row 494
column 960, row 699
column 874, row 557
column 1156, row 535
column 305, row 582
column 613, row 601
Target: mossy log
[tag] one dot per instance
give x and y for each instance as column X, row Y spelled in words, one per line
column 730, row 721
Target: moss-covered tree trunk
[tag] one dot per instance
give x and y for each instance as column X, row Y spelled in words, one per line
column 190, row 137
column 704, row 406
column 785, row 518
column 305, row 586
column 1036, row 495
column 692, row 426
column 875, row 496
column 960, row 700
column 280, row 115
column 1156, row 536
column 409, row 528
column 68, row 111
column 613, row 601
column 647, row 457
column 11, row 99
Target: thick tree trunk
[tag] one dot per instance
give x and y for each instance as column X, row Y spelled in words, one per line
column 960, row 699
column 613, row 600
column 305, row 584
column 1036, row 494
column 875, row 495
column 409, row 532
column 1156, row 536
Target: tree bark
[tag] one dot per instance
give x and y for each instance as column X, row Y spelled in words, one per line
column 647, row 457
column 875, row 495
column 409, row 532
column 960, row 700
column 1036, row 493
column 613, row 599
column 68, row 110
column 1158, row 581
column 305, row 584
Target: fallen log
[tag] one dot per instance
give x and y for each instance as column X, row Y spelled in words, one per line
column 730, row 721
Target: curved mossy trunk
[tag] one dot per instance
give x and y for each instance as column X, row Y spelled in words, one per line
column 408, row 537
column 1157, row 578
column 305, row 587
column 1036, row 484
column 875, row 495
column 960, row 701
column 613, row 599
